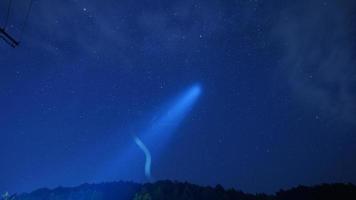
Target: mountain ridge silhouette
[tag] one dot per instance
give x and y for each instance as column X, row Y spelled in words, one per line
column 174, row 190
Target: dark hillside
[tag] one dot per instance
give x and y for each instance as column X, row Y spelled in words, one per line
column 168, row 190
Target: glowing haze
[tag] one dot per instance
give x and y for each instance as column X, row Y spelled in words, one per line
column 151, row 140
column 158, row 135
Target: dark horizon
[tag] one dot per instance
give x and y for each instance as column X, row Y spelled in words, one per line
column 175, row 182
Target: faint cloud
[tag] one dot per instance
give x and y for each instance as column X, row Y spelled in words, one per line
column 318, row 58
column 118, row 32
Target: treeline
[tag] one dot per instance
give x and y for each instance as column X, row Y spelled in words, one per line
column 168, row 190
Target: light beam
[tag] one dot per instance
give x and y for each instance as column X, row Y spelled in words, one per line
column 147, row 155
column 151, row 141
column 157, row 136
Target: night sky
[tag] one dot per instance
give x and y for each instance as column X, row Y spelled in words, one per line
column 276, row 105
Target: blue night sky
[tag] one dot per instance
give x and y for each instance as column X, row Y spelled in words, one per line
column 255, row 95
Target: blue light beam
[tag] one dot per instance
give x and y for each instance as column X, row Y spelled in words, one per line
column 152, row 139
column 157, row 136
column 147, row 155
column 176, row 112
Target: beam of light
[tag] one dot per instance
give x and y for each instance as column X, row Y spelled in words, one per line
column 155, row 137
column 175, row 113
column 147, row 155
column 160, row 131
column 158, row 135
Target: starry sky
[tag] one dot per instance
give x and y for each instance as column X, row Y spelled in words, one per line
column 278, row 92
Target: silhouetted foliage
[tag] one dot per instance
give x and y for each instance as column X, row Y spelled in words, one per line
column 169, row 190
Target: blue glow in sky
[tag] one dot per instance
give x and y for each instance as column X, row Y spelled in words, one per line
column 175, row 113
column 274, row 103
column 159, row 134
column 152, row 140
